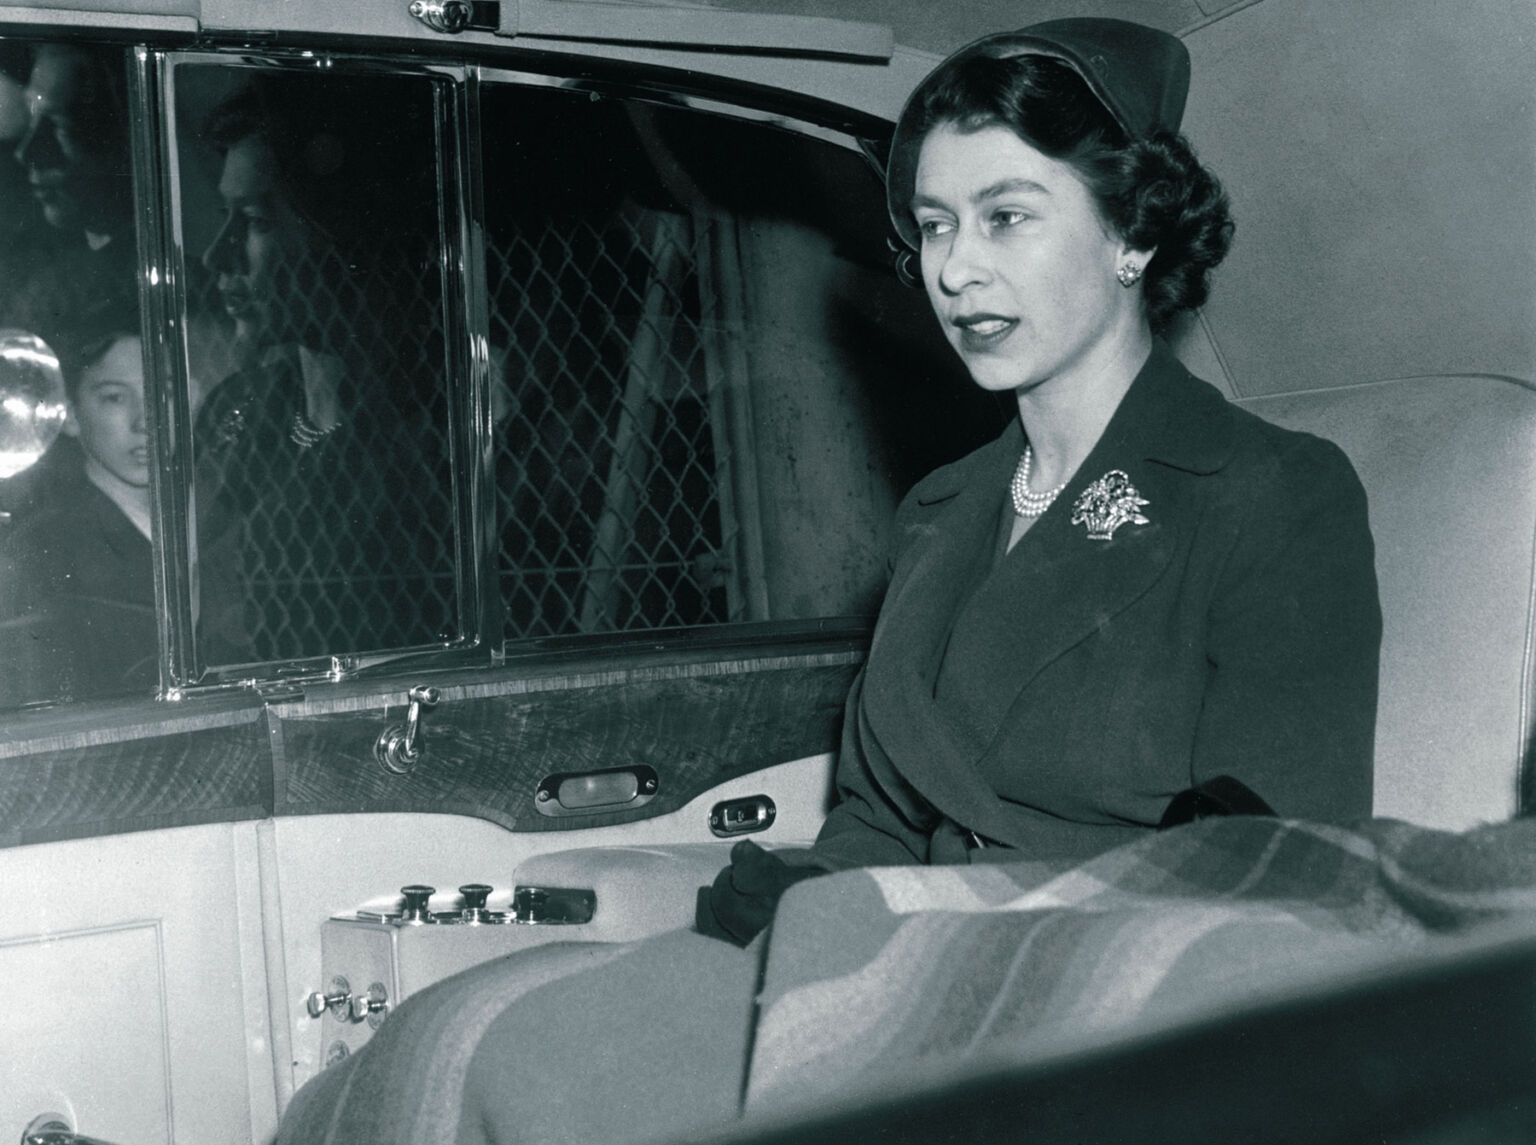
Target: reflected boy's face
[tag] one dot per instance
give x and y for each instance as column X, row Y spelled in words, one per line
column 256, row 251
column 107, row 413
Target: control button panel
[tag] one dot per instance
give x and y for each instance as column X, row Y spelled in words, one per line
column 403, row 942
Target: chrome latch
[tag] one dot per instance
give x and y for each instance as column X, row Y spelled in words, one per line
column 553, row 906
column 742, row 816
column 397, row 747
column 450, row 16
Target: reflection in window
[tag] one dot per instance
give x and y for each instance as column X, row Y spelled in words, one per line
column 323, row 494
column 710, row 389
column 76, row 584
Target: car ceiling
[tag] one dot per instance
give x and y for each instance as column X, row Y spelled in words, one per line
column 1381, row 159
column 941, row 27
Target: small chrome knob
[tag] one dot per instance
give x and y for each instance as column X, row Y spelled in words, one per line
column 334, row 1000
column 372, row 1005
column 415, row 910
column 475, row 896
column 398, row 747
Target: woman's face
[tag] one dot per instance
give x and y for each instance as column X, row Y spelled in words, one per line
column 1017, row 262
column 259, row 250
column 108, row 413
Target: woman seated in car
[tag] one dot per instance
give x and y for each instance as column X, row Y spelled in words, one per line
column 1140, row 598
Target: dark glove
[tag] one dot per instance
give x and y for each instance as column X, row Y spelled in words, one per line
column 1222, row 795
column 744, row 895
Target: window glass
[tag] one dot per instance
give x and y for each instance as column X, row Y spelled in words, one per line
column 77, row 601
column 312, row 215
column 709, row 387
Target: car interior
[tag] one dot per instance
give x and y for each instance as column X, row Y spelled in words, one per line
column 618, row 390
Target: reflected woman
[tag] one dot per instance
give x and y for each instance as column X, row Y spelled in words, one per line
column 299, row 524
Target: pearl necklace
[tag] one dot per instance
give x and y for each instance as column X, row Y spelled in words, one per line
column 1026, row 503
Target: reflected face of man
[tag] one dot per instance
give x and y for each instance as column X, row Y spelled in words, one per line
column 256, row 252
column 107, row 413
column 75, row 149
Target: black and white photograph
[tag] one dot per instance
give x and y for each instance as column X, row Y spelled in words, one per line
column 768, row 572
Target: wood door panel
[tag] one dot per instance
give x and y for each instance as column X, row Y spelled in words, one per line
column 190, row 767
column 488, row 746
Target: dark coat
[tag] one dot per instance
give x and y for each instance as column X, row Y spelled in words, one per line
column 1054, row 700
column 77, row 602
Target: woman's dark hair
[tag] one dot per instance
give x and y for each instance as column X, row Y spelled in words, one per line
column 1152, row 192
column 349, row 154
column 351, row 157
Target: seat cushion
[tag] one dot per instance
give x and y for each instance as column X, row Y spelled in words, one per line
column 1449, row 465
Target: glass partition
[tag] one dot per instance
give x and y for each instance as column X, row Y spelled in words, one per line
column 313, row 216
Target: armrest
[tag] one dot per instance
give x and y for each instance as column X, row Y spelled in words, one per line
column 640, row 890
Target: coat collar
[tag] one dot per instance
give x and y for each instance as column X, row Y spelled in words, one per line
column 1172, row 417
column 1167, row 415
column 959, row 639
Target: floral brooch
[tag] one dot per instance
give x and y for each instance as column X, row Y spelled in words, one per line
column 1108, row 503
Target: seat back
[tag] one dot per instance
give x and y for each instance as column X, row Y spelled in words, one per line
column 1449, row 465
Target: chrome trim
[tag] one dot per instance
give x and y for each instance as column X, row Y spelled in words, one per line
column 189, row 675
column 699, row 28
column 447, row 16
column 643, row 91
column 553, row 906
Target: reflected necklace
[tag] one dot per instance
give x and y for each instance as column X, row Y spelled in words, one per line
column 1025, row 503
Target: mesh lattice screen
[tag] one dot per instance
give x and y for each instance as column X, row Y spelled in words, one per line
column 322, row 543
column 611, row 514
column 609, row 503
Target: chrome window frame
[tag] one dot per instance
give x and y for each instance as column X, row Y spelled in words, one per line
column 466, row 368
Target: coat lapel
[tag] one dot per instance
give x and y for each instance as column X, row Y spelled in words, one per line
column 968, row 639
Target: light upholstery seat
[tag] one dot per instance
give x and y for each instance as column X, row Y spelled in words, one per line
column 1449, row 465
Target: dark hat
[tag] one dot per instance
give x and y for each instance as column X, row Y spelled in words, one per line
column 1140, row 74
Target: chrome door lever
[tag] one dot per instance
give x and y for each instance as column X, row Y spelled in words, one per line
column 398, row 747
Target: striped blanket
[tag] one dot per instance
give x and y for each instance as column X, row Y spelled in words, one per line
column 871, row 976
column 881, row 972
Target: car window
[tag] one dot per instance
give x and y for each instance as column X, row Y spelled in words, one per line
column 312, row 219
column 705, row 375
column 618, row 362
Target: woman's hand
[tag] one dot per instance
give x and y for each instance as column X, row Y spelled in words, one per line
column 744, row 895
